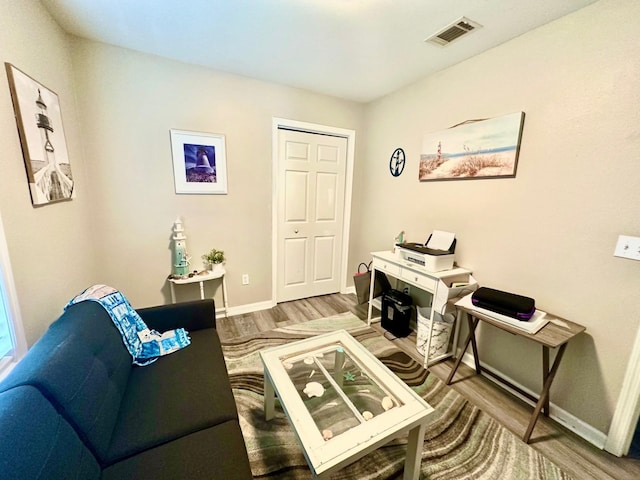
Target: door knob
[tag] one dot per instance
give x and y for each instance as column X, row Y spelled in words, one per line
column 295, row 231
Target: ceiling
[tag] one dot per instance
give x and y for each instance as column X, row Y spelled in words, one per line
column 353, row 49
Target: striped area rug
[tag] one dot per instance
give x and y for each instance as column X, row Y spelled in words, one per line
column 461, row 441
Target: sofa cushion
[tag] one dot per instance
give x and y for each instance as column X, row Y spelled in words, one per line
column 175, row 396
column 213, row 453
column 37, row 443
column 81, row 366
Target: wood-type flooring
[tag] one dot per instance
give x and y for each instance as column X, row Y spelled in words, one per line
column 567, row 450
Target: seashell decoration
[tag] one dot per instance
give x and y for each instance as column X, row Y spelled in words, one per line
column 308, row 361
column 367, row 415
column 314, row 389
column 327, row 434
column 287, row 365
column 387, row 403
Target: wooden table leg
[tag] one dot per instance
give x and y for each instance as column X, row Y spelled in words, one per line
column 545, row 375
column 544, row 395
column 372, row 284
column 413, row 461
column 269, row 398
column 225, row 302
column 471, row 338
column 474, row 346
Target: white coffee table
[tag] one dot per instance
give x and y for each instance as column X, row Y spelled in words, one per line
column 342, row 402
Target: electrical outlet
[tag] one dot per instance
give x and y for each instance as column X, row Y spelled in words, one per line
column 245, row 279
column 628, row 247
column 407, row 290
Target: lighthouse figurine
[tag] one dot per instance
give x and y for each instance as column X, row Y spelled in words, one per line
column 180, row 256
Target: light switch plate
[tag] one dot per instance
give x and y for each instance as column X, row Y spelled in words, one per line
column 628, row 247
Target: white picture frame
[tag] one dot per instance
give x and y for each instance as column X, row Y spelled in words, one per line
column 199, row 162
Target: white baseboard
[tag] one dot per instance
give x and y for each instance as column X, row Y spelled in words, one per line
column 256, row 307
column 267, row 304
column 566, row 419
column 625, row 416
column 248, row 308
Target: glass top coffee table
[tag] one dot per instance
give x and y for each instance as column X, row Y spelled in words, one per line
column 342, row 402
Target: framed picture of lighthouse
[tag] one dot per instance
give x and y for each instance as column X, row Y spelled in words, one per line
column 42, row 138
column 486, row 148
column 199, row 162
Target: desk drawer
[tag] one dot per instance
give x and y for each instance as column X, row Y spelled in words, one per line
column 422, row 281
column 388, row 267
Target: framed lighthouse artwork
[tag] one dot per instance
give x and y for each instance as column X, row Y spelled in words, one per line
column 42, row 138
column 473, row 149
column 199, row 162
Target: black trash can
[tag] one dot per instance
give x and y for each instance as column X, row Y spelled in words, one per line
column 396, row 313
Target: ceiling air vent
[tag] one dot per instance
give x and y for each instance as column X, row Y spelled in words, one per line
column 454, row 31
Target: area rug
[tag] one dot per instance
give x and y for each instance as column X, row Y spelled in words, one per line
column 461, row 441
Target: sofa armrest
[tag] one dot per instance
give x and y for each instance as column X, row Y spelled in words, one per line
column 191, row 316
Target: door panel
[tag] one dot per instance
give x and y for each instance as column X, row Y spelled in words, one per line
column 326, row 187
column 328, row 153
column 297, row 151
column 297, row 189
column 295, row 265
column 323, row 262
column 311, row 179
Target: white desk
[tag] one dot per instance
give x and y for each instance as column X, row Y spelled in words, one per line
column 436, row 283
column 219, row 272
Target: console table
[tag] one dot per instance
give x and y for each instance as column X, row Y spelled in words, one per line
column 219, row 272
column 553, row 335
column 436, row 283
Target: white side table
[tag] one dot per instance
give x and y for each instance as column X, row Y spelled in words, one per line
column 219, row 272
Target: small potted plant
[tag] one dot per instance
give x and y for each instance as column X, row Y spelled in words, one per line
column 214, row 259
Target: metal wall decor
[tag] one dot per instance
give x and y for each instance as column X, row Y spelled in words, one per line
column 397, row 162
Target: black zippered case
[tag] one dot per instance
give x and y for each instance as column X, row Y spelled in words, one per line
column 509, row 304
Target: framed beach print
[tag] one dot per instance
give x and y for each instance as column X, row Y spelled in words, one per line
column 44, row 147
column 199, row 162
column 487, row 148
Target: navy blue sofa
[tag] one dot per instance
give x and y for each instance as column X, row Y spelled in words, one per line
column 76, row 408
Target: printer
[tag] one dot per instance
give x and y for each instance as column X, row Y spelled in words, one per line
column 435, row 255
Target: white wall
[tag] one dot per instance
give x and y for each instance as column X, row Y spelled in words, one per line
column 550, row 232
column 50, row 249
column 128, row 103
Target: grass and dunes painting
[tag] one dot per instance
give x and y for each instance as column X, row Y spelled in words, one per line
column 486, row 148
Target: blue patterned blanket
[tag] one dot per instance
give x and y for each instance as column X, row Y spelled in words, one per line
column 144, row 345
